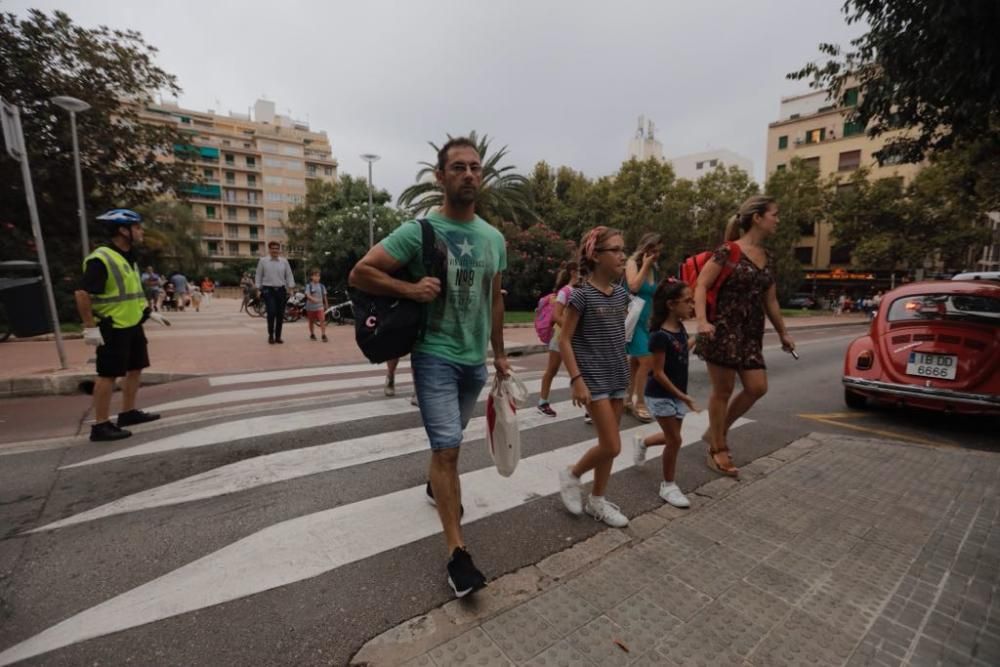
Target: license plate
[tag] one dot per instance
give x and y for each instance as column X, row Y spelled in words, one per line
column 941, row 366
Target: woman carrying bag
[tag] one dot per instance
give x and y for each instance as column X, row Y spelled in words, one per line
column 641, row 276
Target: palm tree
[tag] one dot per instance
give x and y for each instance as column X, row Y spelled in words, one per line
column 505, row 196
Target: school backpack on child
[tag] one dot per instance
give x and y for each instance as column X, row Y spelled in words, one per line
column 387, row 327
column 692, row 266
column 545, row 318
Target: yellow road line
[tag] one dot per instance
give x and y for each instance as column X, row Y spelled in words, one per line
column 830, row 419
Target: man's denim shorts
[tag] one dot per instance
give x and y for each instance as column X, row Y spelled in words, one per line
column 447, row 393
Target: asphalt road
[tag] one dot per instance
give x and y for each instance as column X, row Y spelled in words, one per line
column 252, row 534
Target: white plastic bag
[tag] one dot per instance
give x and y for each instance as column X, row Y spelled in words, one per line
column 502, row 434
column 635, row 307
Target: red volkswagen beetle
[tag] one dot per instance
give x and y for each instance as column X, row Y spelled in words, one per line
column 933, row 345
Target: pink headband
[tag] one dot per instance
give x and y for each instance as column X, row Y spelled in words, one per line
column 590, row 243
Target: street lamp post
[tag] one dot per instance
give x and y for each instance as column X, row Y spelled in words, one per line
column 75, row 106
column 370, row 158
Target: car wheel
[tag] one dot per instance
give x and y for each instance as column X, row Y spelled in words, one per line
column 854, row 400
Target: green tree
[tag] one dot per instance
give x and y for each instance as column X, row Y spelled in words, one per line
column 173, row 236
column 323, row 200
column 46, row 55
column 930, row 67
column 715, row 198
column 803, row 201
column 505, row 195
column 533, row 258
column 341, row 239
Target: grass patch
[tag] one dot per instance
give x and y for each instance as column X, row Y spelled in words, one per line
column 518, row 316
column 799, row 312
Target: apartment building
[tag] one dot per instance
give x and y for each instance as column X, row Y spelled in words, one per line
column 696, row 165
column 252, row 169
column 815, row 128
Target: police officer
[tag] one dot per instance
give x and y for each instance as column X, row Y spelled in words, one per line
column 113, row 307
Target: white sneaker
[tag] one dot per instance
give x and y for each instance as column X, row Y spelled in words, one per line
column 414, row 402
column 569, row 491
column 671, row 493
column 609, row 513
column 639, row 453
column 390, row 386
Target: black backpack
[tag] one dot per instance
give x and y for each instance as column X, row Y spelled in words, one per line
column 387, row 327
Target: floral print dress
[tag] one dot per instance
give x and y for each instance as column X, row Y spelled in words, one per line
column 739, row 320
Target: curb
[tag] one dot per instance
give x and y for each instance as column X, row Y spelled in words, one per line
column 412, row 639
column 70, row 383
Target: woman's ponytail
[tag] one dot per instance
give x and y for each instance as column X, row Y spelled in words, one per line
column 733, row 231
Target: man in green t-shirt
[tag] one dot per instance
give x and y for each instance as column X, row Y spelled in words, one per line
column 464, row 312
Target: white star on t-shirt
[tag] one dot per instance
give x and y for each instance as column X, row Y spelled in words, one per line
column 466, row 248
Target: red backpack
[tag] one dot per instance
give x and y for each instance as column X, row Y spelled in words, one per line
column 692, row 266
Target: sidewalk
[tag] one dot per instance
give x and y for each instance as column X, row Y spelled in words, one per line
column 830, row 551
column 220, row 339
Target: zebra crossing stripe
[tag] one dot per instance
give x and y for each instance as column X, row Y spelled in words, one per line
column 283, row 466
column 270, row 425
column 290, row 373
column 314, row 544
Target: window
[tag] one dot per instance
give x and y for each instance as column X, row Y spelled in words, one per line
column 812, row 162
column 230, row 178
column 807, row 228
column 849, row 160
column 804, row 254
column 230, row 160
column 210, row 212
column 226, row 142
column 782, row 142
column 207, row 173
column 268, row 146
column 213, row 247
column 852, row 128
column 230, row 213
column 830, row 107
column 816, row 136
column 255, row 248
column 274, row 215
column 273, row 180
column 252, row 163
column 851, row 97
column 713, row 163
column 328, row 171
column 310, row 170
column 233, row 248
column 794, row 116
column 699, row 165
column 780, row 167
column 253, row 230
column 253, row 198
column 232, row 232
column 840, row 254
column 253, row 215
column 273, row 162
column 251, row 180
column 272, row 196
column 294, row 151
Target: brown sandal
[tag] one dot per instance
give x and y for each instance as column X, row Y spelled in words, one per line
column 720, row 459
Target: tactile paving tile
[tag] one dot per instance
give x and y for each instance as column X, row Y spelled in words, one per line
column 763, row 607
column 853, row 619
column 596, row 642
column 521, row 633
column 675, row 597
column 705, row 577
column 824, row 547
column 802, row 639
column 564, row 610
column 798, row 566
column 653, row 659
column 709, row 527
column 691, row 646
column 470, row 648
column 728, row 559
column 750, row 546
column 766, row 529
column 562, row 654
column 615, row 579
column 662, row 554
column 738, row 631
column 780, row 584
column 420, row 661
column 686, row 537
column 644, row 622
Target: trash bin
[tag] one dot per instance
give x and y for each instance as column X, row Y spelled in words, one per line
column 23, row 302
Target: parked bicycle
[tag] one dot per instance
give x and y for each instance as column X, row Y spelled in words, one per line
column 253, row 304
column 342, row 311
column 295, row 307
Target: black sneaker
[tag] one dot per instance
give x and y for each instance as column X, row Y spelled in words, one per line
column 133, row 417
column 270, row 340
column 107, row 432
column 312, row 336
column 463, row 577
column 278, row 341
column 430, row 499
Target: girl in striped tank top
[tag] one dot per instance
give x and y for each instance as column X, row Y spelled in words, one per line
column 592, row 343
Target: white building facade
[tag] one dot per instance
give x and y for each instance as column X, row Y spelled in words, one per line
column 696, row 165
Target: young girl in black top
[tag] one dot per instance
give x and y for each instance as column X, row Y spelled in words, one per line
column 666, row 388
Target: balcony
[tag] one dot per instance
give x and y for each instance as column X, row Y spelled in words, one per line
column 232, row 198
column 199, row 191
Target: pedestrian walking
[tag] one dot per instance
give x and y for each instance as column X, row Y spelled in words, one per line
column 666, row 387
column 112, row 306
column 182, row 290
column 464, row 310
column 593, row 349
column 207, row 289
column 563, row 288
column 152, row 284
column 641, row 276
column 316, row 304
column 732, row 345
column 274, row 279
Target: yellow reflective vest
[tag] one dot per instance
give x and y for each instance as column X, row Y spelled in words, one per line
column 123, row 299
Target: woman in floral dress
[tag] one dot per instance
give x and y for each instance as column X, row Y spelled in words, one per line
column 731, row 343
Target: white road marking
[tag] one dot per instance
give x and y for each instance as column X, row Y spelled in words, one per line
column 288, row 374
column 314, row 544
column 283, row 466
column 272, row 424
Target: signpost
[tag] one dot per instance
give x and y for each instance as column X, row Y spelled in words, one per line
column 10, row 119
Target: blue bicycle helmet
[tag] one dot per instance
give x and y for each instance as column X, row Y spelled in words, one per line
column 120, row 216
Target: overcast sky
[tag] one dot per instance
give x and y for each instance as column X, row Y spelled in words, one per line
column 560, row 81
